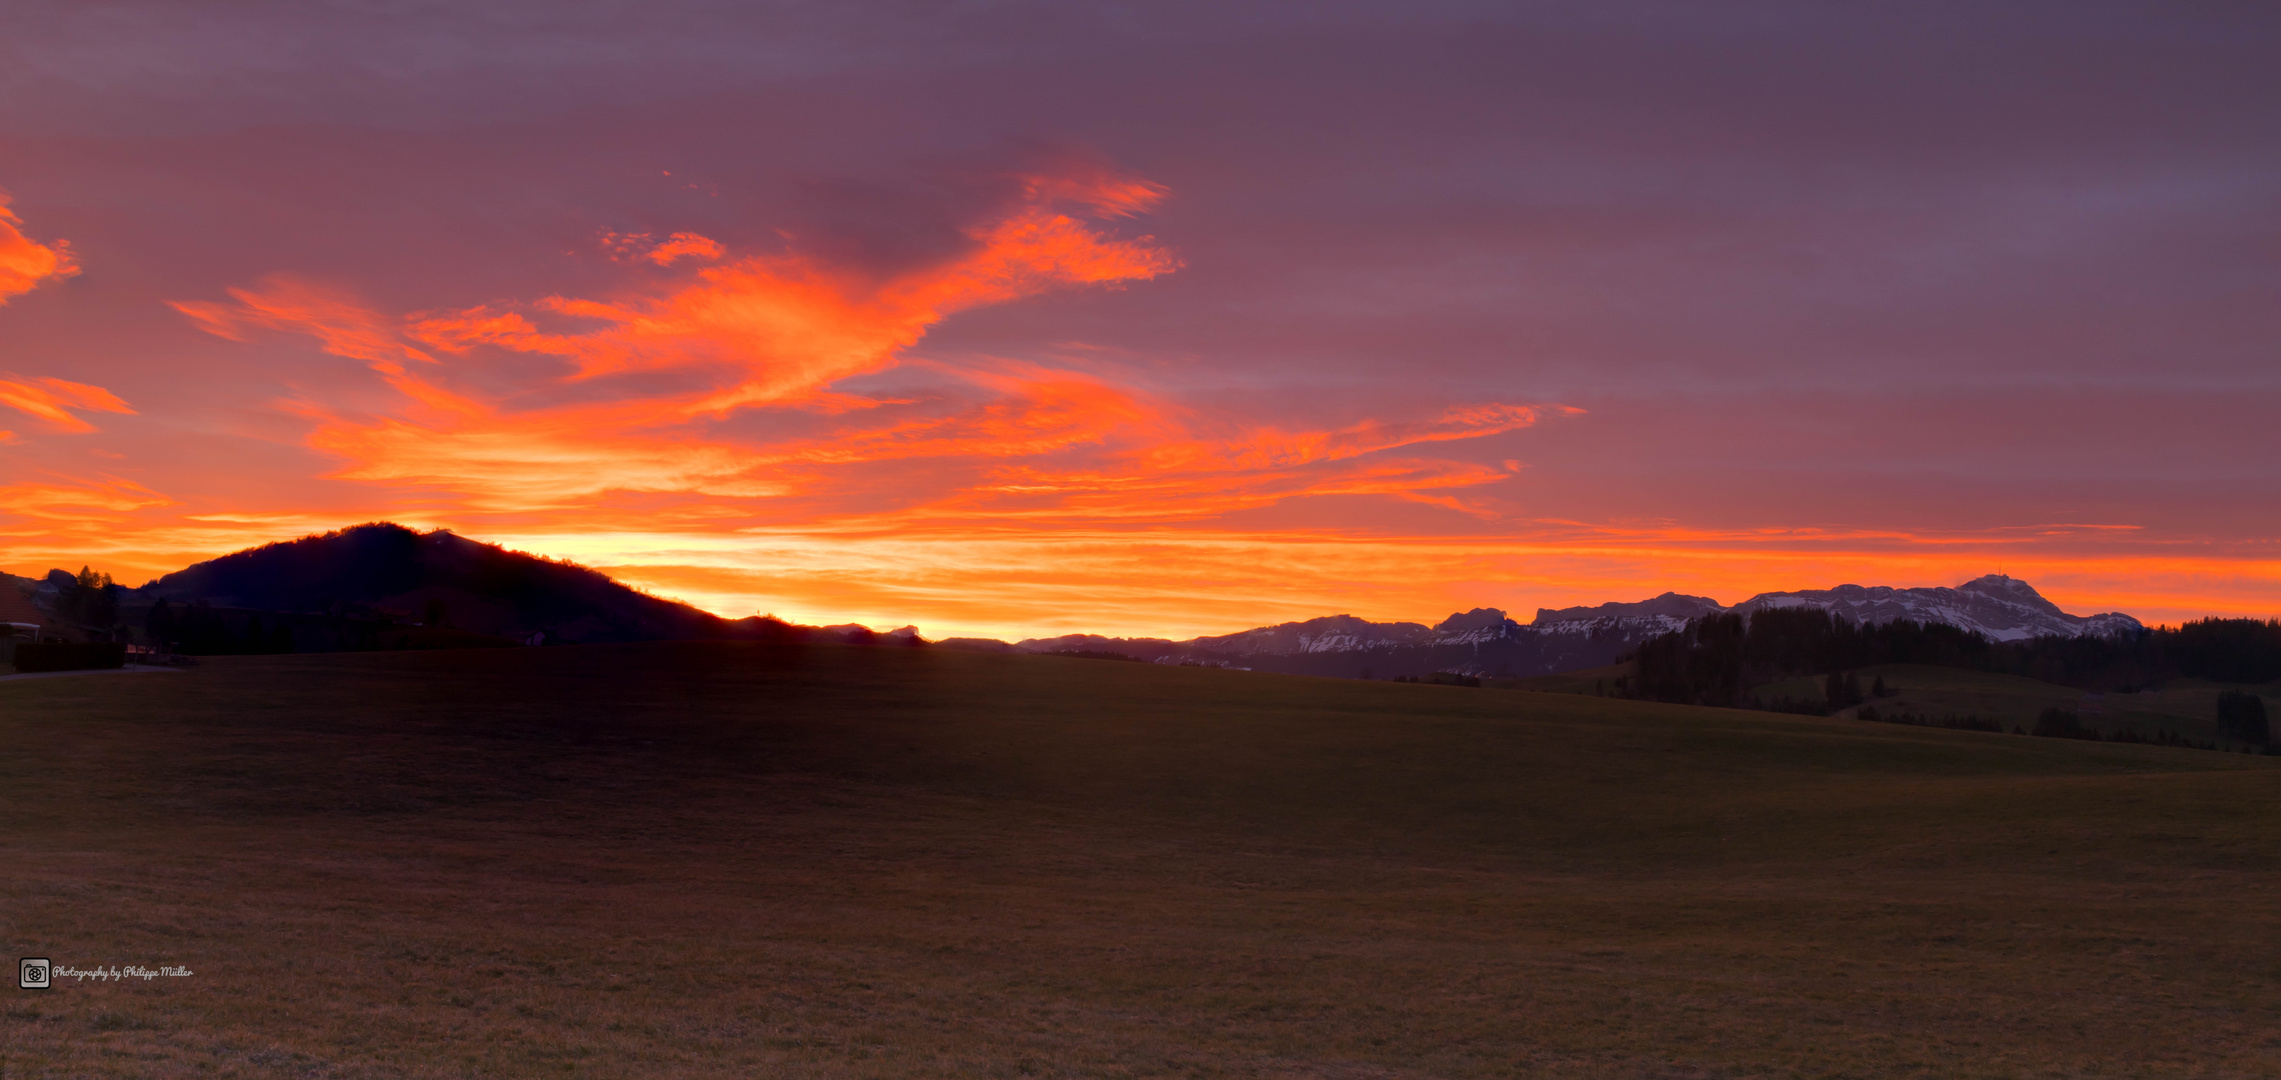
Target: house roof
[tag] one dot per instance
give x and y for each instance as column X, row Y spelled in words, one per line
column 15, row 607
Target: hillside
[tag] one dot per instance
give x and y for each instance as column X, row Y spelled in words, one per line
column 731, row 859
column 434, row 577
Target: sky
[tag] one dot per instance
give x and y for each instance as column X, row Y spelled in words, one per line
column 1017, row 319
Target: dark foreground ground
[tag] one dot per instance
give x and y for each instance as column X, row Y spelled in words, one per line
column 735, row 860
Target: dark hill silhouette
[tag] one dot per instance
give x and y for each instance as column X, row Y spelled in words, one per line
column 438, row 577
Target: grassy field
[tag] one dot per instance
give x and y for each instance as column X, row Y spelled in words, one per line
column 1596, row 681
column 2186, row 707
column 739, row 860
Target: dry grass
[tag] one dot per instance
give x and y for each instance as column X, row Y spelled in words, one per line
column 729, row 860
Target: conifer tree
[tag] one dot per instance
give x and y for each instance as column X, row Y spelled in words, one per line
column 2242, row 716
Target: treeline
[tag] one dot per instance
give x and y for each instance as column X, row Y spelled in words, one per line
column 2057, row 723
column 2221, row 650
column 199, row 629
column 89, row 600
column 1442, row 678
column 1719, row 659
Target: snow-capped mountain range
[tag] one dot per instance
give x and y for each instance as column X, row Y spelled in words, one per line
column 2003, row 608
column 1486, row 642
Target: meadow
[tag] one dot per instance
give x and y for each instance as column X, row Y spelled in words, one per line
column 2186, row 708
column 746, row 860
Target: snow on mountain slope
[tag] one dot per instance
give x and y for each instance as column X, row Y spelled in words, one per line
column 1479, row 642
column 2003, row 608
column 1485, row 641
column 1335, row 633
column 1660, row 615
column 1474, row 627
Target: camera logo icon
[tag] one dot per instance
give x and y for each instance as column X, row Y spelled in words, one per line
column 33, row 973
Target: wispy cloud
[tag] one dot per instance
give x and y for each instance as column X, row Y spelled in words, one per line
column 54, row 400
column 67, row 499
column 25, row 263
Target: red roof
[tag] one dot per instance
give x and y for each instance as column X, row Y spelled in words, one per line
column 15, row 607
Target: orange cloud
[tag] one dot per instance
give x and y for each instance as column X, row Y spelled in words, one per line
column 345, row 327
column 1136, row 458
column 538, row 463
column 285, row 303
column 1094, row 186
column 49, row 399
column 685, row 245
column 66, row 499
column 665, row 252
column 777, row 328
column 24, row 264
column 777, row 332
column 759, row 332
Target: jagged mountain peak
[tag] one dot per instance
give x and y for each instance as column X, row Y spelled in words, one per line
column 1670, row 605
column 2003, row 608
column 1480, row 618
column 1330, row 633
column 2011, row 590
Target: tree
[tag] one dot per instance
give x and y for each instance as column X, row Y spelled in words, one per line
column 161, row 624
column 2242, row 716
column 2058, row 723
column 90, row 600
column 1842, row 690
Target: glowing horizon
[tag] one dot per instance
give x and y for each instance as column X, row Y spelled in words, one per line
column 1280, row 577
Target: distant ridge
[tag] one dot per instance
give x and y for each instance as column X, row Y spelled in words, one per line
column 1484, row 642
column 1669, row 605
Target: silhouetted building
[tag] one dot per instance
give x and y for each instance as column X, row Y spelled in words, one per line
column 20, row 621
